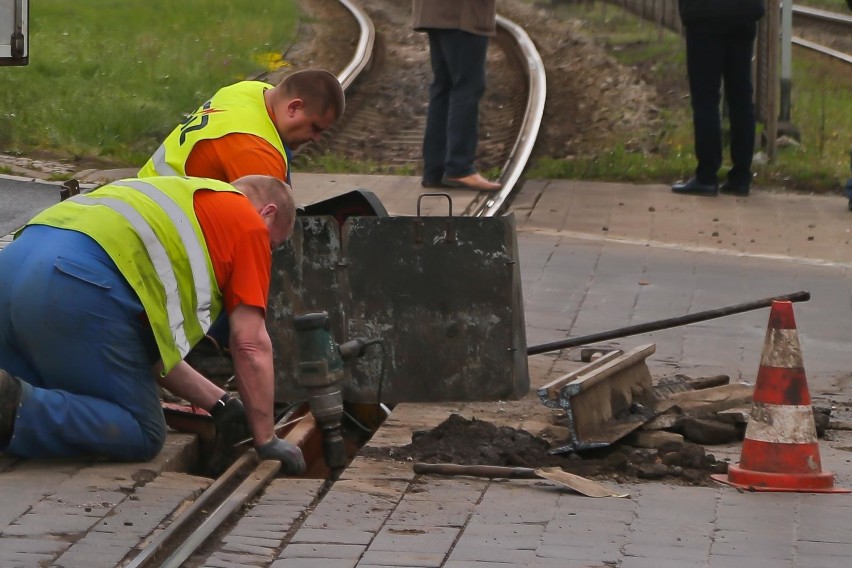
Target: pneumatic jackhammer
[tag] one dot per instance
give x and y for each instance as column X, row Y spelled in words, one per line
column 321, row 372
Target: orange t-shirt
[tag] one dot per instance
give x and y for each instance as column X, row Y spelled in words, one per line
column 233, row 156
column 238, row 241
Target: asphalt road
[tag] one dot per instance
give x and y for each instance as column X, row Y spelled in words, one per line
column 20, row 200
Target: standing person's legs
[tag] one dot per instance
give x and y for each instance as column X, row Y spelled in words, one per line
column 739, row 93
column 73, row 320
column 466, row 55
column 435, row 137
column 704, row 56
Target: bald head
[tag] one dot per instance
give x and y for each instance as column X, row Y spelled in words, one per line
column 273, row 200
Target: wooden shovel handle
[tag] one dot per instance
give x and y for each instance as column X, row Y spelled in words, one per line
column 476, row 470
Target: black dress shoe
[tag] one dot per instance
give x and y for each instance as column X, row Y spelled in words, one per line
column 734, row 189
column 695, row 187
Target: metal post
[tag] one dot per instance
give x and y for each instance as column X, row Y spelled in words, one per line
column 785, row 125
column 786, row 58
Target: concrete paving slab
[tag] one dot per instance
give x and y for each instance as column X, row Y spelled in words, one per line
column 594, row 257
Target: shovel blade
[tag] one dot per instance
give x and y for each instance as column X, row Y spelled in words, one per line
column 576, row 483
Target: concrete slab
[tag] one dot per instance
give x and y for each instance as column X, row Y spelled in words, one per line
column 594, row 257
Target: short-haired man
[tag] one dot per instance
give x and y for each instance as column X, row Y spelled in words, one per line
column 251, row 127
column 101, row 297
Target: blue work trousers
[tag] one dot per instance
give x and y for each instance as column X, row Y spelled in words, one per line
column 451, row 137
column 71, row 329
column 716, row 50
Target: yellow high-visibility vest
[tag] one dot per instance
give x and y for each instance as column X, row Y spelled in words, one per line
column 236, row 108
column 149, row 229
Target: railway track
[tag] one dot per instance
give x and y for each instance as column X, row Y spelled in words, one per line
column 387, row 125
column 827, row 33
column 511, row 119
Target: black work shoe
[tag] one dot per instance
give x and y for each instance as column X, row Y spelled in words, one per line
column 10, row 398
column 734, row 189
column 695, row 187
column 850, row 205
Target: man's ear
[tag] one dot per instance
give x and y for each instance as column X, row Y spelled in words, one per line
column 269, row 210
column 295, row 105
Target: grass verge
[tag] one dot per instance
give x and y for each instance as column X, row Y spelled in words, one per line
column 821, row 112
column 110, row 79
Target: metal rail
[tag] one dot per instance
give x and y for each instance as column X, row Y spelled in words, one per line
column 824, row 17
column 536, row 95
column 247, row 477
column 364, row 50
column 839, row 55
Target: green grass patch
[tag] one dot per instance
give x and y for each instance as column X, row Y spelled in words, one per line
column 110, row 79
column 821, row 112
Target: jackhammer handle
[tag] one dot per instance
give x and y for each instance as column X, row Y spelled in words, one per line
column 802, row 296
column 476, row 470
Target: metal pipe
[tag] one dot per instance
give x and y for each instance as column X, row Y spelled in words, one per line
column 665, row 323
column 786, row 60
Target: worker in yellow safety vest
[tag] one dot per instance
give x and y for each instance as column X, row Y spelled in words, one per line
column 103, row 294
column 250, row 127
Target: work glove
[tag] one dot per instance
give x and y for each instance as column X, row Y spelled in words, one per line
column 231, row 427
column 231, row 423
column 288, row 454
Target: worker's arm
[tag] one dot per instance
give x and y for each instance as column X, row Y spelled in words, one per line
column 251, row 349
column 189, row 384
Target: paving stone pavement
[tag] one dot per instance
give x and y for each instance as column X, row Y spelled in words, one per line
column 594, row 257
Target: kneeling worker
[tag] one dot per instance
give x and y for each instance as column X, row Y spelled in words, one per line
column 101, row 297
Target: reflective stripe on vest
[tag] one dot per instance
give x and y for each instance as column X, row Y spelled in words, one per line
column 195, row 252
column 238, row 108
column 149, row 228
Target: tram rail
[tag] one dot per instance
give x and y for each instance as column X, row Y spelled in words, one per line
column 833, row 26
column 187, row 534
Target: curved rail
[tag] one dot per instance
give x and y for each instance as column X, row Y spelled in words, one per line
column 537, row 93
column 247, row 476
column 364, row 50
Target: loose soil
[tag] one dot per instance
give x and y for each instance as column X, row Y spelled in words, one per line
column 463, row 441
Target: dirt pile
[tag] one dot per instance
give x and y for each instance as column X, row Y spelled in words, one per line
column 462, row 441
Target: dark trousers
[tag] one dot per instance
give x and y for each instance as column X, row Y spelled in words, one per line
column 717, row 50
column 458, row 68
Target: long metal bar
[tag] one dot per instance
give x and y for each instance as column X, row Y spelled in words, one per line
column 665, row 323
column 209, row 497
column 258, row 479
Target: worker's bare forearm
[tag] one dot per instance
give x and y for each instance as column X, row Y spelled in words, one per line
column 189, row 384
column 256, row 385
column 251, row 349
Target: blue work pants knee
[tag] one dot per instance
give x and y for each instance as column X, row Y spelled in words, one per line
column 72, row 329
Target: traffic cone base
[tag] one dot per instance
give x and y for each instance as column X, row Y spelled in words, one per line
column 762, row 481
column 780, row 450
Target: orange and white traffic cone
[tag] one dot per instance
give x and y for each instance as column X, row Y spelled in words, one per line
column 780, row 450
